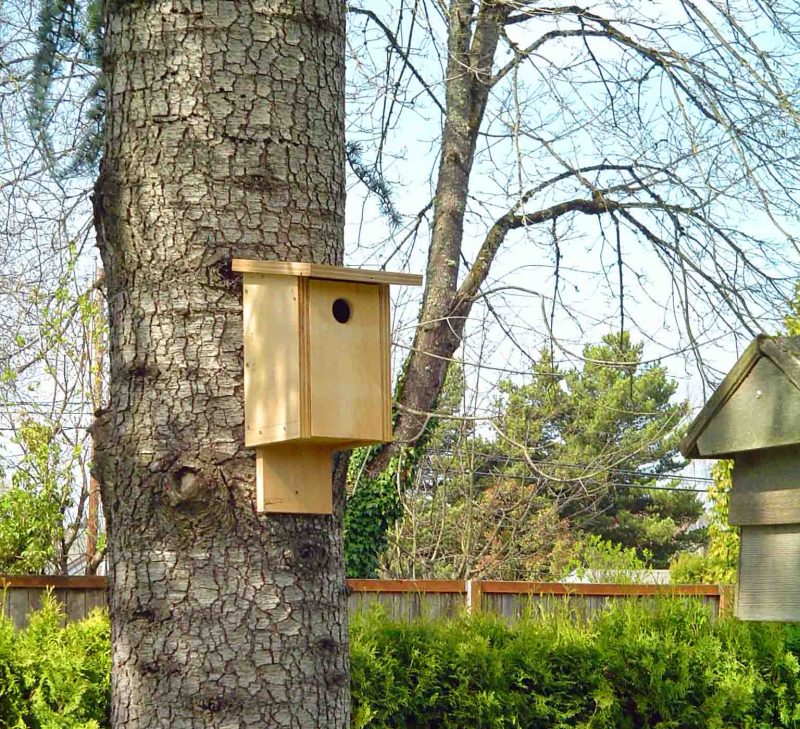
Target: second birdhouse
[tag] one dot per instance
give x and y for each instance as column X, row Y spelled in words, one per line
column 317, row 373
column 753, row 417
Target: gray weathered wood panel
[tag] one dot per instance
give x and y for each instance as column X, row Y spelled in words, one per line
column 762, row 413
column 769, row 573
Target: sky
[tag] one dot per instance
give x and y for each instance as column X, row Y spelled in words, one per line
column 547, row 98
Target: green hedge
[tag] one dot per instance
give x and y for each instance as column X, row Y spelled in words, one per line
column 54, row 677
column 659, row 665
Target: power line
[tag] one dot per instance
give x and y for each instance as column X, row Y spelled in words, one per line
column 536, row 479
column 585, row 467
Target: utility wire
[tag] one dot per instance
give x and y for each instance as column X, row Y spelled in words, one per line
column 535, row 479
column 583, row 466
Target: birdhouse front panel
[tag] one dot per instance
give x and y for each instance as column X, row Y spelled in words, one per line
column 348, row 361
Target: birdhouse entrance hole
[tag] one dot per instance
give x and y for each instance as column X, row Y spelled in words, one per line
column 341, row 311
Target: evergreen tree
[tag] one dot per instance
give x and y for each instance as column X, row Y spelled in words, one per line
column 599, row 440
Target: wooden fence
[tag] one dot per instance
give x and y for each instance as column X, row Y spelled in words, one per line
column 402, row 599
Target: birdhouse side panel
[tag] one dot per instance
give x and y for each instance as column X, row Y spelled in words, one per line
column 273, row 381
column 348, row 361
column 763, row 412
column 766, row 487
column 769, row 564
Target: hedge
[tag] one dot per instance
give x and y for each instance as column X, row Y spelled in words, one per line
column 656, row 665
column 55, row 677
column 640, row 664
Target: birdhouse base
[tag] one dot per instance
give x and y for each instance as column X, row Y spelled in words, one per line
column 294, row 478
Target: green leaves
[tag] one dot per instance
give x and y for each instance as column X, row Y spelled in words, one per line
column 661, row 664
column 55, row 677
column 604, row 435
column 32, row 508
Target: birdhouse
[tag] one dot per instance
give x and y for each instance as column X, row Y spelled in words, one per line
column 317, row 373
column 754, row 418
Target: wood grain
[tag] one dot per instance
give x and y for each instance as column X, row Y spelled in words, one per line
column 319, row 271
column 294, row 478
column 272, row 375
column 763, row 412
column 348, row 393
column 769, row 565
column 775, row 506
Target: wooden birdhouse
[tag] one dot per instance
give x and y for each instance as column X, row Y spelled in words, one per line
column 754, row 418
column 316, row 373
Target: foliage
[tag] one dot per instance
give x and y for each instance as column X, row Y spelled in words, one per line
column 598, row 560
column 598, row 439
column 67, row 28
column 373, row 506
column 42, row 505
column 375, row 501
column 55, row 677
column 32, row 508
column 718, row 564
column 645, row 665
column 578, row 452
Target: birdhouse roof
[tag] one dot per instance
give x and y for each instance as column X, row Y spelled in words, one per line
column 318, row 270
column 756, row 406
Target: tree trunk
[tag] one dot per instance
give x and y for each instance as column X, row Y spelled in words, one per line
column 224, row 138
column 472, row 43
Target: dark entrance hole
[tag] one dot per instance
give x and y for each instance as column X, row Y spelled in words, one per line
column 341, row 311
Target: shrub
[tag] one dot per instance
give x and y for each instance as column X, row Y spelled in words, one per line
column 55, row 677
column 638, row 665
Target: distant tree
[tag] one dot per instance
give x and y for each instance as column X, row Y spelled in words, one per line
column 600, row 440
column 37, row 532
column 574, row 454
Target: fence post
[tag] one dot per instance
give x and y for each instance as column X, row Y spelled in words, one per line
column 474, row 596
column 726, row 594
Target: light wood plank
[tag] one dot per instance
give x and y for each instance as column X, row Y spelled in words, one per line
column 346, row 365
column 386, row 360
column 321, row 271
column 437, row 586
column 294, row 478
column 272, row 378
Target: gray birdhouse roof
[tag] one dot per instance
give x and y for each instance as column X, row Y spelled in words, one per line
column 756, row 406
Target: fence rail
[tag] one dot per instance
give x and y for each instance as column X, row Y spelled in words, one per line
column 402, row 599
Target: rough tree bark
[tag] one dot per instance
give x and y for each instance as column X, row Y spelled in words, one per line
column 224, row 138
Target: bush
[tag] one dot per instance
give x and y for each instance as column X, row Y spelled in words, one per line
column 638, row 665
column 657, row 664
column 55, row 677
